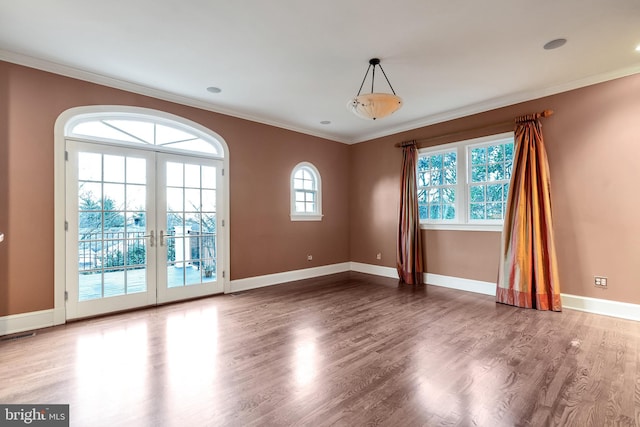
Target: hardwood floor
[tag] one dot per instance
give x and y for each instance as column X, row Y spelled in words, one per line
column 347, row 349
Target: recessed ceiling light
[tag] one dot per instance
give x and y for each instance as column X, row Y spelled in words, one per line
column 214, row 89
column 325, row 122
column 638, row 48
column 554, row 44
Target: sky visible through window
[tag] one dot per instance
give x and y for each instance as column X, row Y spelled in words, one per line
column 143, row 132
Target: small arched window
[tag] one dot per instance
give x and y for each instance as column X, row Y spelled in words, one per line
column 306, row 193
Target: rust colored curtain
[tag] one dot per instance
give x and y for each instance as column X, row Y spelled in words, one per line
column 409, row 254
column 528, row 275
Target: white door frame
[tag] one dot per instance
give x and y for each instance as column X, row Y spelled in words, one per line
column 60, row 131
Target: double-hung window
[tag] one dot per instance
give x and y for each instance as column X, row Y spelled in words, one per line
column 464, row 185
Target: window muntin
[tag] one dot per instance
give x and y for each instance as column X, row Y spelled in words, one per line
column 465, row 184
column 305, row 193
column 304, row 185
column 139, row 130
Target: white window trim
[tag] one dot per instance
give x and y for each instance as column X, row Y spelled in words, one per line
column 462, row 188
column 313, row 216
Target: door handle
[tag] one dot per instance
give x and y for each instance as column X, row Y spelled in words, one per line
column 161, row 237
column 152, row 238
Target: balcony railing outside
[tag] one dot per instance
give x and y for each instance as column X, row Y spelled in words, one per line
column 113, row 262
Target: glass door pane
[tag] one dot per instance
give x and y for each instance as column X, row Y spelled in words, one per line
column 188, row 207
column 110, row 244
column 143, row 228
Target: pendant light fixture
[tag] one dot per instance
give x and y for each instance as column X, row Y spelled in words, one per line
column 373, row 106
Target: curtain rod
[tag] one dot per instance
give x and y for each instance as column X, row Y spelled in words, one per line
column 545, row 113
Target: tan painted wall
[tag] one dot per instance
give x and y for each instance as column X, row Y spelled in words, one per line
column 468, row 254
column 263, row 239
column 593, row 145
column 593, row 148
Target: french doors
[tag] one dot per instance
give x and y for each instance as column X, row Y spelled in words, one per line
column 142, row 228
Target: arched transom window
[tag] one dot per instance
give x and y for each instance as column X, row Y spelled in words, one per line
column 306, row 193
column 149, row 132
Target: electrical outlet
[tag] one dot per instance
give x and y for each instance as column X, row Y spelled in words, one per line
column 600, row 282
column 379, row 255
column 309, row 257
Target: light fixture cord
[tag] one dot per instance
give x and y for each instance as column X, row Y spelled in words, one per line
column 365, row 78
column 373, row 78
column 385, row 76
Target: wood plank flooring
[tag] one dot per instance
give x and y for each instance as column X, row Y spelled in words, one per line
column 346, row 350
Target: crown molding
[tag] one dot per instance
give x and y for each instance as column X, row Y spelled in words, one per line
column 104, row 80
column 499, row 102
column 503, row 101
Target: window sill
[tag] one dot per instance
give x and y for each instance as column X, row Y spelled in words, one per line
column 306, row 217
column 463, row 227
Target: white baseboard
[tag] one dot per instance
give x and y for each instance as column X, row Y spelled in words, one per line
column 41, row 319
column 287, row 276
column 623, row 310
column 459, row 283
column 469, row 285
column 27, row 321
column 376, row 270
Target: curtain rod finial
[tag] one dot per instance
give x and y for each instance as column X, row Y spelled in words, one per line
column 546, row 113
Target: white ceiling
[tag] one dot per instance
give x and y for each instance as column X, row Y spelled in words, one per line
column 295, row 63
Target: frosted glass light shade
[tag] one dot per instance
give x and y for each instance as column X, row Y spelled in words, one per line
column 372, row 106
